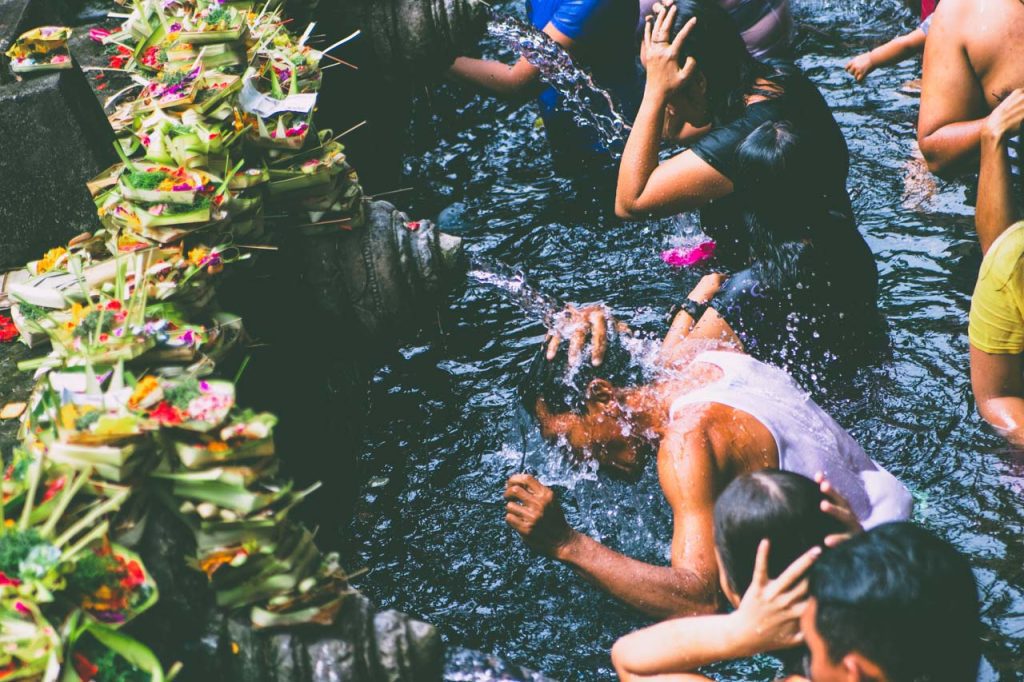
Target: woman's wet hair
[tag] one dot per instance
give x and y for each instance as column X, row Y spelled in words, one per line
column 902, row 598
column 771, row 160
column 721, row 55
column 780, row 506
column 564, row 387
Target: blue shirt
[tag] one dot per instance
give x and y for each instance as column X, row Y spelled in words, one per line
column 604, row 45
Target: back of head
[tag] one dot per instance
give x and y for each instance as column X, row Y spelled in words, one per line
column 780, row 506
column 721, row 54
column 563, row 385
column 902, row 598
column 772, row 160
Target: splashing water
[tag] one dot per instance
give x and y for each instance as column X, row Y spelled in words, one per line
column 591, row 106
column 513, row 285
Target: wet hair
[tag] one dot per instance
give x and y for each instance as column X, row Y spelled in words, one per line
column 771, row 160
column 780, row 506
column 564, row 387
column 904, row 599
column 721, row 55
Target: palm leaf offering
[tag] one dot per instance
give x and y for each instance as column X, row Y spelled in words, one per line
column 129, row 397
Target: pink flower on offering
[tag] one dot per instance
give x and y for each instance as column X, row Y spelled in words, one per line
column 60, row 59
column 296, row 131
column 204, row 386
column 213, row 136
column 98, row 34
column 158, row 209
column 5, row 581
column 21, row 608
column 687, row 258
column 183, row 187
column 119, row 332
column 212, row 259
column 145, row 140
column 188, row 338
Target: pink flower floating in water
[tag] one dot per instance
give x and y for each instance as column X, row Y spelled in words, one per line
column 687, row 258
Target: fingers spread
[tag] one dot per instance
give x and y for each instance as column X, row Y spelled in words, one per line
column 688, row 68
column 684, row 33
column 576, row 343
column 761, row 563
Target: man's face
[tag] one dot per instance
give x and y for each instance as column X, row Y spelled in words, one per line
column 822, row 668
column 597, row 434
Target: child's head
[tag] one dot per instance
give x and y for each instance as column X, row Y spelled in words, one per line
column 780, row 506
column 895, row 604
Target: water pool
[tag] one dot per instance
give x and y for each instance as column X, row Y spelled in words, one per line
column 445, row 431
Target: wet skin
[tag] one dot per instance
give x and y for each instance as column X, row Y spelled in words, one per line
column 699, row 453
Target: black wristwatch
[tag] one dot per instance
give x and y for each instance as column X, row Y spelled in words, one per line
column 692, row 308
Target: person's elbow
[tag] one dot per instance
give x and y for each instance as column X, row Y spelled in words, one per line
column 939, row 163
column 624, row 210
column 629, row 209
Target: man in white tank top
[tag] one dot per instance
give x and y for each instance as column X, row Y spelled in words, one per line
column 721, row 415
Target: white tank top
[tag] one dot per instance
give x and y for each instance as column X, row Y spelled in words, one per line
column 808, row 440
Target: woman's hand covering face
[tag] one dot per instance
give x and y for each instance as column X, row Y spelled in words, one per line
column 661, row 56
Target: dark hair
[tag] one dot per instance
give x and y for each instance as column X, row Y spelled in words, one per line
column 780, row 506
column 771, row 160
column 564, row 387
column 904, row 599
column 721, row 55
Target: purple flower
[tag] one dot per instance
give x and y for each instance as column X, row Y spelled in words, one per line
column 183, row 187
column 175, row 27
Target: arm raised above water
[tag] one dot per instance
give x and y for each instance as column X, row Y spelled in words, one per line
column 519, row 81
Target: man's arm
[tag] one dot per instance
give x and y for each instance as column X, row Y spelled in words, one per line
column 688, row 587
column 520, row 81
column 997, row 209
column 953, row 106
column 999, row 392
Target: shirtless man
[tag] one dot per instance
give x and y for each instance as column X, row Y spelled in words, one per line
column 712, row 417
column 974, row 58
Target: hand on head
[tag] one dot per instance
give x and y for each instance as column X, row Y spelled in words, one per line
column 581, row 322
column 836, row 506
column 661, row 55
column 770, row 609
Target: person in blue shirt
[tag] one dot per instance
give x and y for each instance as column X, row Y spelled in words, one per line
column 599, row 34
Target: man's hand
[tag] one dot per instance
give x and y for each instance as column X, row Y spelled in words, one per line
column 535, row 514
column 768, row 617
column 707, row 287
column 860, row 66
column 578, row 323
column 836, row 506
column 1005, row 120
